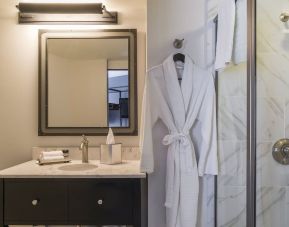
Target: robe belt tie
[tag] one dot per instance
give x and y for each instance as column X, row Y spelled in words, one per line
column 187, row 156
column 176, row 137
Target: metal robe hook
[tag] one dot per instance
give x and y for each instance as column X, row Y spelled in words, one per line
column 178, row 43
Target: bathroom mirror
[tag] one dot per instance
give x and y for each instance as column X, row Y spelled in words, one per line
column 87, row 82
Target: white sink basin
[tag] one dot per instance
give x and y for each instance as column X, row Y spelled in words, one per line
column 78, row 167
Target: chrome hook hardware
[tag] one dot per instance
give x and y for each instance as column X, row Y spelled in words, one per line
column 280, row 151
column 284, row 17
column 178, row 43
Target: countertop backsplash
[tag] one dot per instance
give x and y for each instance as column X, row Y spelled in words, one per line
column 128, row 153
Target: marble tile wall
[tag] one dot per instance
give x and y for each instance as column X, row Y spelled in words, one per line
column 272, row 112
column 231, row 188
column 232, row 206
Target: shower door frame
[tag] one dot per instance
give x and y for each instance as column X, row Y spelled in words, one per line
column 251, row 114
column 251, row 137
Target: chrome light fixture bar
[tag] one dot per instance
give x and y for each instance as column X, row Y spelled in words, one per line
column 65, row 13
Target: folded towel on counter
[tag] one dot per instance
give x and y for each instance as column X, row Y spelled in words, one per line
column 59, row 157
column 51, row 153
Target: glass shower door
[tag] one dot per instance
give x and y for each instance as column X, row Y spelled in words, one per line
column 231, row 206
column 267, row 184
column 272, row 73
column 232, row 124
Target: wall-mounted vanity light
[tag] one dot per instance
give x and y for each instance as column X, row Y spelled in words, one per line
column 65, row 13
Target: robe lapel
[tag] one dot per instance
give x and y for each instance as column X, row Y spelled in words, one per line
column 174, row 92
column 180, row 96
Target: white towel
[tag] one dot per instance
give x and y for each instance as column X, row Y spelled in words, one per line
column 240, row 35
column 225, row 34
column 59, row 157
column 51, row 153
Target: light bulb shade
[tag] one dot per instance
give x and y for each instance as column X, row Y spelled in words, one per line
column 55, row 8
column 65, row 13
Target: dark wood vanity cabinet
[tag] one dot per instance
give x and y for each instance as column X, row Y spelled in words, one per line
column 73, row 202
column 101, row 201
column 34, row 201
column 1, row 203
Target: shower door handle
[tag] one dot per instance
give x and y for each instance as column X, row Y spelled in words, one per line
column 280, row 151
column 284, row 17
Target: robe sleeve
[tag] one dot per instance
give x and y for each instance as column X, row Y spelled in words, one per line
column 148, row 119
column 208, row 158
column 225, row 34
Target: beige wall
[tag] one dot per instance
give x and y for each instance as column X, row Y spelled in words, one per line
column 77, row 92
column 117, row 64
column 19, row 79
column 191, row 20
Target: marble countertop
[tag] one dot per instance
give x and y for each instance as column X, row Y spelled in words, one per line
column 74, row 169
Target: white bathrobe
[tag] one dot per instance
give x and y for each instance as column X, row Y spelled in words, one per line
column 188, row 111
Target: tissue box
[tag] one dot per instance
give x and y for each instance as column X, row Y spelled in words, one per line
column 110, row 154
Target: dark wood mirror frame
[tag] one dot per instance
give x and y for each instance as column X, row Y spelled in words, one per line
column 43, row 128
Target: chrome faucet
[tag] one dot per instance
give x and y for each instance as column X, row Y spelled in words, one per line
column 84, row 148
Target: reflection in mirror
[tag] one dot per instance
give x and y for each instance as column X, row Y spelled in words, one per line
column 79, row 73
column 87, row 82
column 118, row 97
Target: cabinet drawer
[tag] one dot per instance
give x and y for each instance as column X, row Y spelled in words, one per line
column 35, row 201
column 106, row 202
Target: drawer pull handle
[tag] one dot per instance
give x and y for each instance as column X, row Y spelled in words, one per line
column 100, row 202
column 35, row 202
